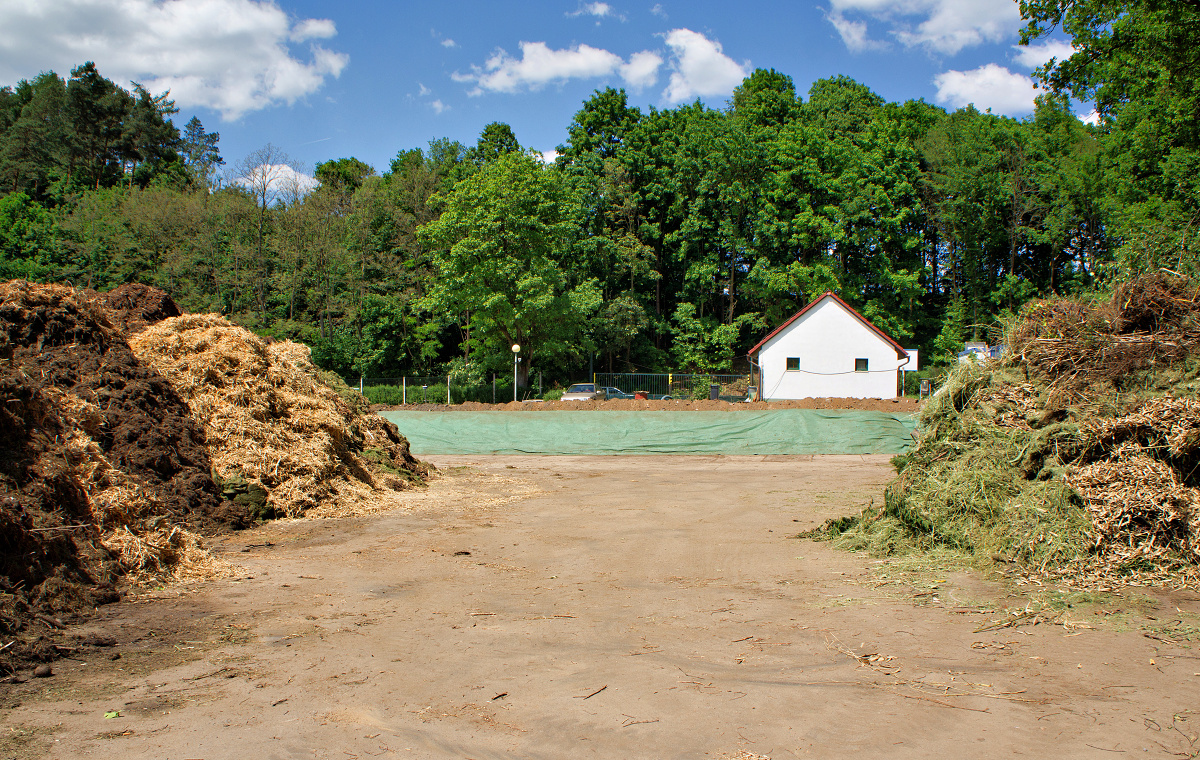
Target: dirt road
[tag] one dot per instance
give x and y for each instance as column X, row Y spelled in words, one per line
column 612, row 607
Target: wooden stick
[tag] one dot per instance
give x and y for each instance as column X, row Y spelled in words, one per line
column 594, row 693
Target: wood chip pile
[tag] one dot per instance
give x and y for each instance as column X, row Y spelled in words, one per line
column 270, row 422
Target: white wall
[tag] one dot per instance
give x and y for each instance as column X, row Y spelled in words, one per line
column 827, row 339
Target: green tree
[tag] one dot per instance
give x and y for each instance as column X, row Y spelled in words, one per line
column 500, row 252
column 198, row 148
column 343, row 176
column 496, row 140
column 29, row 248
column 1138, row 61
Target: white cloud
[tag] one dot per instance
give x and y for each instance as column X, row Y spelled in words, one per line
column 700, row 67
column 423, row 91
column 547, row 156
column 854, row 34
column 313, row 29
column 438, row 106
column 540, row 65
column 229, row 55
column 1092, row 117
column 989, row 86
column 599, row 10
column 449, row 43
column 1033, row 56
column 943, row 26
column 281, row 181
column 658, row 10
column 642, row 70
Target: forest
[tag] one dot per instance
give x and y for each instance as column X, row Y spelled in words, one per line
column 657, row 240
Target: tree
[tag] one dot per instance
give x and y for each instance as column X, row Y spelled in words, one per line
column 270, row 176
column 500, row 252
column 496, row 140
column 601, row 125
column 33, row 135
column 29, row 249
column 1139, row 62
column 766, row 98
column 343, row 176
column 199, row 151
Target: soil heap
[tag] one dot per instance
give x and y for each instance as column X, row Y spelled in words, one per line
column 107, row 472
column 1077, row 456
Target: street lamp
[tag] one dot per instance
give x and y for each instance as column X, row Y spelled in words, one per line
column 516, row 349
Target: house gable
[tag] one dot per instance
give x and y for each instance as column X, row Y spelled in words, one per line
column 900, row 352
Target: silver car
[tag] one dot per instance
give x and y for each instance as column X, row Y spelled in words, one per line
column 584, row 392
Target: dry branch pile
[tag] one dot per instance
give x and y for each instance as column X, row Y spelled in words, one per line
column 1078, row 456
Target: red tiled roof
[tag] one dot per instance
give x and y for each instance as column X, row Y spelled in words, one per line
column 900, row 352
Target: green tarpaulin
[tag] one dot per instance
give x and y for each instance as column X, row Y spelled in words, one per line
column 786, row 431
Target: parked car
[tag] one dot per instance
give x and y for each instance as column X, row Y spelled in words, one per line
column 612, row 393
column 584, row 392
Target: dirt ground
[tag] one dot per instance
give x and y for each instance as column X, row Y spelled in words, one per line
column 614, row 607
column 899, row 405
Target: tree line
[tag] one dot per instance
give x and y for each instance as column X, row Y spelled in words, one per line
column 659, row 239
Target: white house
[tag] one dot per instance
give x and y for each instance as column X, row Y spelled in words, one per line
column 828, row 349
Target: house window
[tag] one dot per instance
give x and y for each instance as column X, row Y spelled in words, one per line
column 793, row 364
column 860, row 365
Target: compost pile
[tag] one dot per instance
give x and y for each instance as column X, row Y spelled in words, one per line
column 287, row 440
column 107, row 471
column 1077, row 457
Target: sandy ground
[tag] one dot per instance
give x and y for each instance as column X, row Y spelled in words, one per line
column 613, row 607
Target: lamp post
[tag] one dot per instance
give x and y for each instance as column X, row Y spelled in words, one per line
column 516, row 349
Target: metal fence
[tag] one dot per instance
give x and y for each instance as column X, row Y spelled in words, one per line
column 678, row 386
column 440, row 389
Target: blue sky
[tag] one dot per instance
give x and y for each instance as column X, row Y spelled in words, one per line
column 323, row 80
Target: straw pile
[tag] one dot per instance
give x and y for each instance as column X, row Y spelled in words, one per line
column 272, row 427
column 1076, row 457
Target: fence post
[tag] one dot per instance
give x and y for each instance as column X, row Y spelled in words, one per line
column 448, row 401
column 360, row 385
column 404, row 390
column 493, row 387
column 539, row 382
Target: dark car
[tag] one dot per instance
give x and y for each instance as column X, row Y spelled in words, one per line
column 612, row 393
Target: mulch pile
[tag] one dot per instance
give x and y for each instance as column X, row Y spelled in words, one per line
column 107, row 470
column 271, row 423
column 1076, row 457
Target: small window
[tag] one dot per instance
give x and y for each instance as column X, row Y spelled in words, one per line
column 793, row 364
column 860, row 365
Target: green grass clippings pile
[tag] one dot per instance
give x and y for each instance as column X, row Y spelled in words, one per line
column 1077, row 457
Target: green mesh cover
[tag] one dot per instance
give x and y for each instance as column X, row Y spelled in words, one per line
column 786, row 431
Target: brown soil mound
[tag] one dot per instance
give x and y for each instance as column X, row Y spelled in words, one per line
column 270, row 423
column 106, row 471
column 899, row 405
column 133, row 306
column 91, row 441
